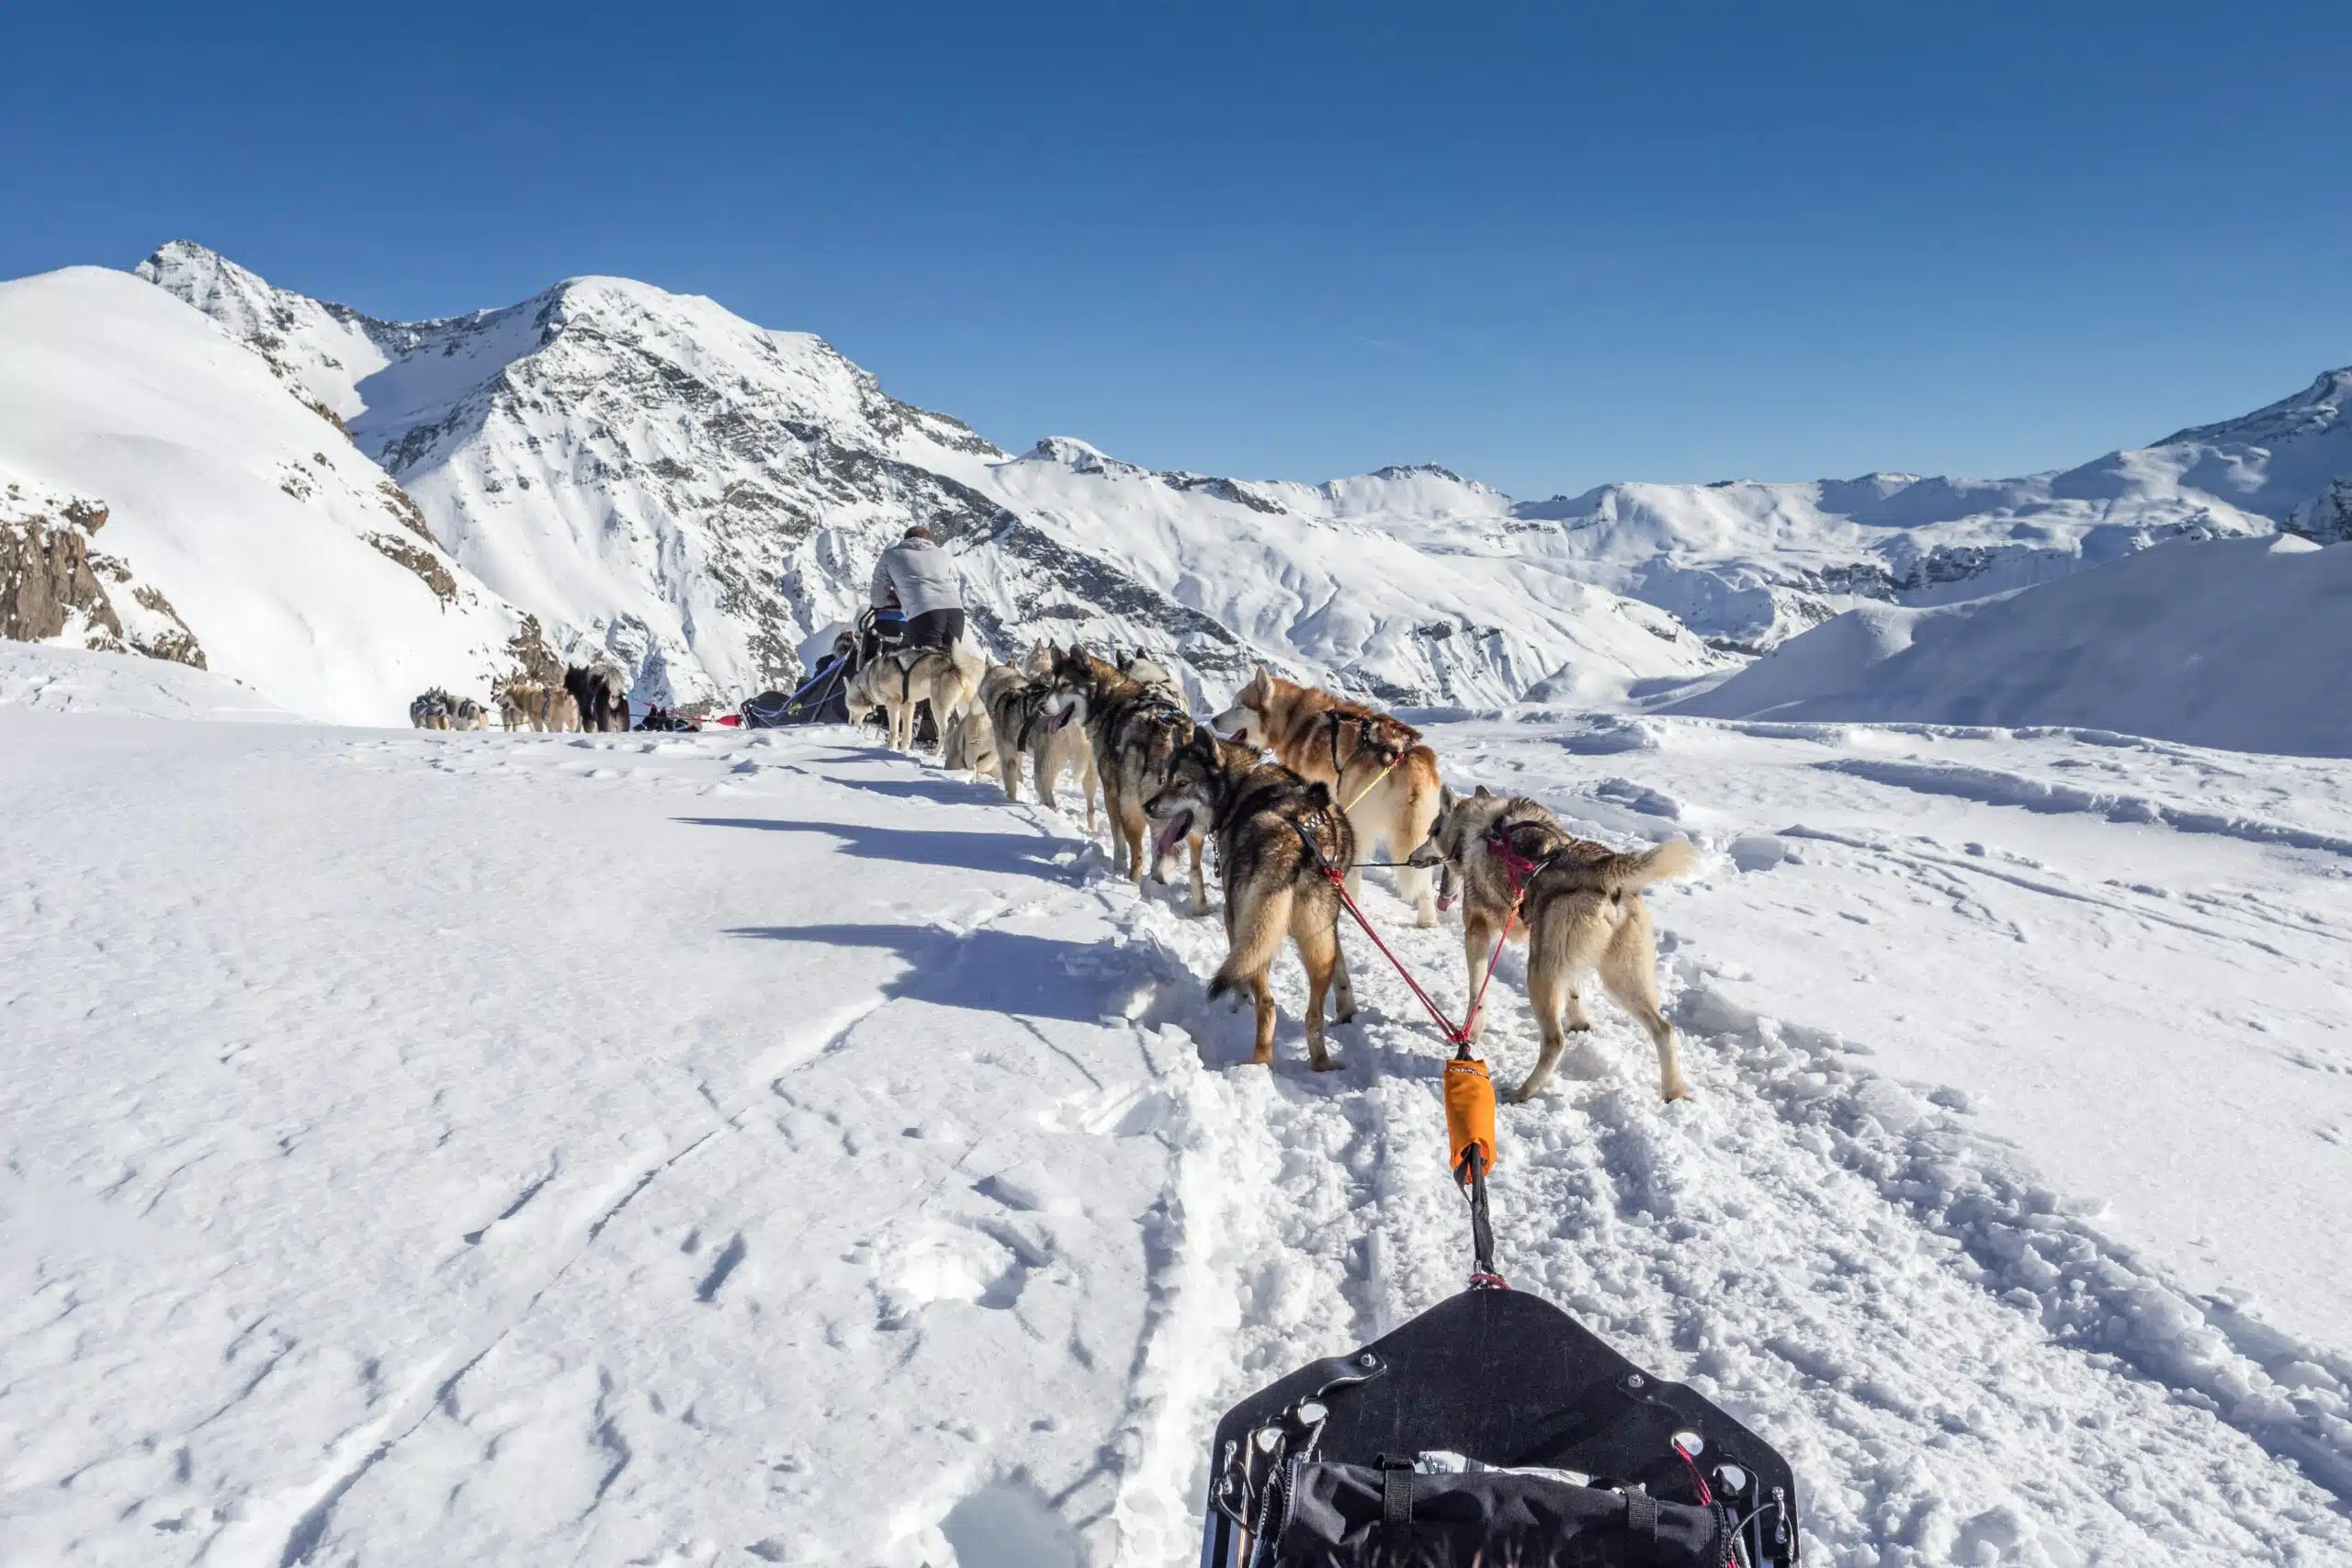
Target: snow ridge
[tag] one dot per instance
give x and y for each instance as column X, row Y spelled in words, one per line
column 697, row 498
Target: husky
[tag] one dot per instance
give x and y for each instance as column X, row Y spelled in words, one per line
column 1275, row 835
column 1151, row 675
column 523, row 704
column 1135, row 734
column 431, row 711
column 468, row 714
column 1016, row 707
column 1375, row 766
column 560, row 712
column 969, row 742
column 1579, row 909
column 600, row 698
column 946, row 677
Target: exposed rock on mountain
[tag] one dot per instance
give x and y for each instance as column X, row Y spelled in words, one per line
column 242, row 531
column 669, row 486
column 697, row 497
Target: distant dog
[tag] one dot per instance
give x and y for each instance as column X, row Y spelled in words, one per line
column 1580, row 910
column 600, row 696
column 468, row 714
column 1275, row 833
column 560, row 712
column 1135, row 733
column 1016, row 707
column 1377, row 767
column 431, row 711
column 523, row 704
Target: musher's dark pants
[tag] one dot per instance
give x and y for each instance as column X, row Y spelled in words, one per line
column 935, row 628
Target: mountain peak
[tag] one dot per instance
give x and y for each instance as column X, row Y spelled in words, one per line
column 2315, row 410
column 1080, row 457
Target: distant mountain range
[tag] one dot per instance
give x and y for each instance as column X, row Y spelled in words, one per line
column 607, row 471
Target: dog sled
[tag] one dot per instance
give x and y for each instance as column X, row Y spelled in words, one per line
column 823, row 698
column 1492, row 1431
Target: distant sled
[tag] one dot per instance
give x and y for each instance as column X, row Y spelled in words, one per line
column 823, row 698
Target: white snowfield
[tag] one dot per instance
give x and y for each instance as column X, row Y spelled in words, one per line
column 300, row 569
column 426, row 1149
column 47, row 678
column 2234, row 643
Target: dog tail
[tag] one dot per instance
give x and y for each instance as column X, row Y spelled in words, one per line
column 1258, row 933
column 1631, row 874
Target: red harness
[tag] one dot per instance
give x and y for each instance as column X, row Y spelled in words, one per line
column 1517, row 870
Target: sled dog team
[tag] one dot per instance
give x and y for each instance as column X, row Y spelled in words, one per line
column 1291, row 782
column 586, row 700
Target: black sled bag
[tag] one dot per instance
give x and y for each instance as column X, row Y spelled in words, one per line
column 1352, row 1515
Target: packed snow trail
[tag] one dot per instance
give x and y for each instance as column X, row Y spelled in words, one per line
column 717, row 1149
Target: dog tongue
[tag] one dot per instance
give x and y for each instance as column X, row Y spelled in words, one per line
column 1174, row 828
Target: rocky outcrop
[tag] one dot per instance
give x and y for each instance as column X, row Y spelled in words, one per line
column 54, row 588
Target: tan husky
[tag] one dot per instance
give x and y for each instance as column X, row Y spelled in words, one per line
column 1276, row 832
column 1374, row 766
column 1580, row 910
column 946, row 677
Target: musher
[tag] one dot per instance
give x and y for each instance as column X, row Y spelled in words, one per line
column 918, row 596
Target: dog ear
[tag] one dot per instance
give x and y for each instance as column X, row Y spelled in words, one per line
column 1483, row 794
column 1317, row 796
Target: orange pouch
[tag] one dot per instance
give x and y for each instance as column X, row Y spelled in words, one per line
column 1469, row 1110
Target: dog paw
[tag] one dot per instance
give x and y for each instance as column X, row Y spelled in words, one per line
column 1521, row 1095
column 1677, row 1089
column 1579, row 1026
column 1326, row 1064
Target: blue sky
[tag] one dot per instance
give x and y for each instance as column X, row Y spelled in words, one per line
column 1547, row 246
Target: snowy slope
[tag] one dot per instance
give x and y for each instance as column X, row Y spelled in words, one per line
column 72, row 680
column 296, row 563
column 711, row 1135
column 2229, row 643
column 1753, row 563
column 700, row 495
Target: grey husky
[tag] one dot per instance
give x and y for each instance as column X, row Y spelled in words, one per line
column 1136, row 732
column 1580, row 911
column 1015, row 706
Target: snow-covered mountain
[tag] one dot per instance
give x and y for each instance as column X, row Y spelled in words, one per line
column 1750, row 564
column 2220, row 643
column 701, row 496
column 658, row 480
column 161, row 493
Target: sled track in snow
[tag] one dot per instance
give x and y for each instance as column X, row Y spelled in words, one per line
column 1946, row 1349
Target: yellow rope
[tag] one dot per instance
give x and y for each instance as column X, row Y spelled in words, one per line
column 1375, row 784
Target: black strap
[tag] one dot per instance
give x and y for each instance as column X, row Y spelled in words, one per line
column 1482, row 1230
column 1641, row 1518
column 1396, row 1493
